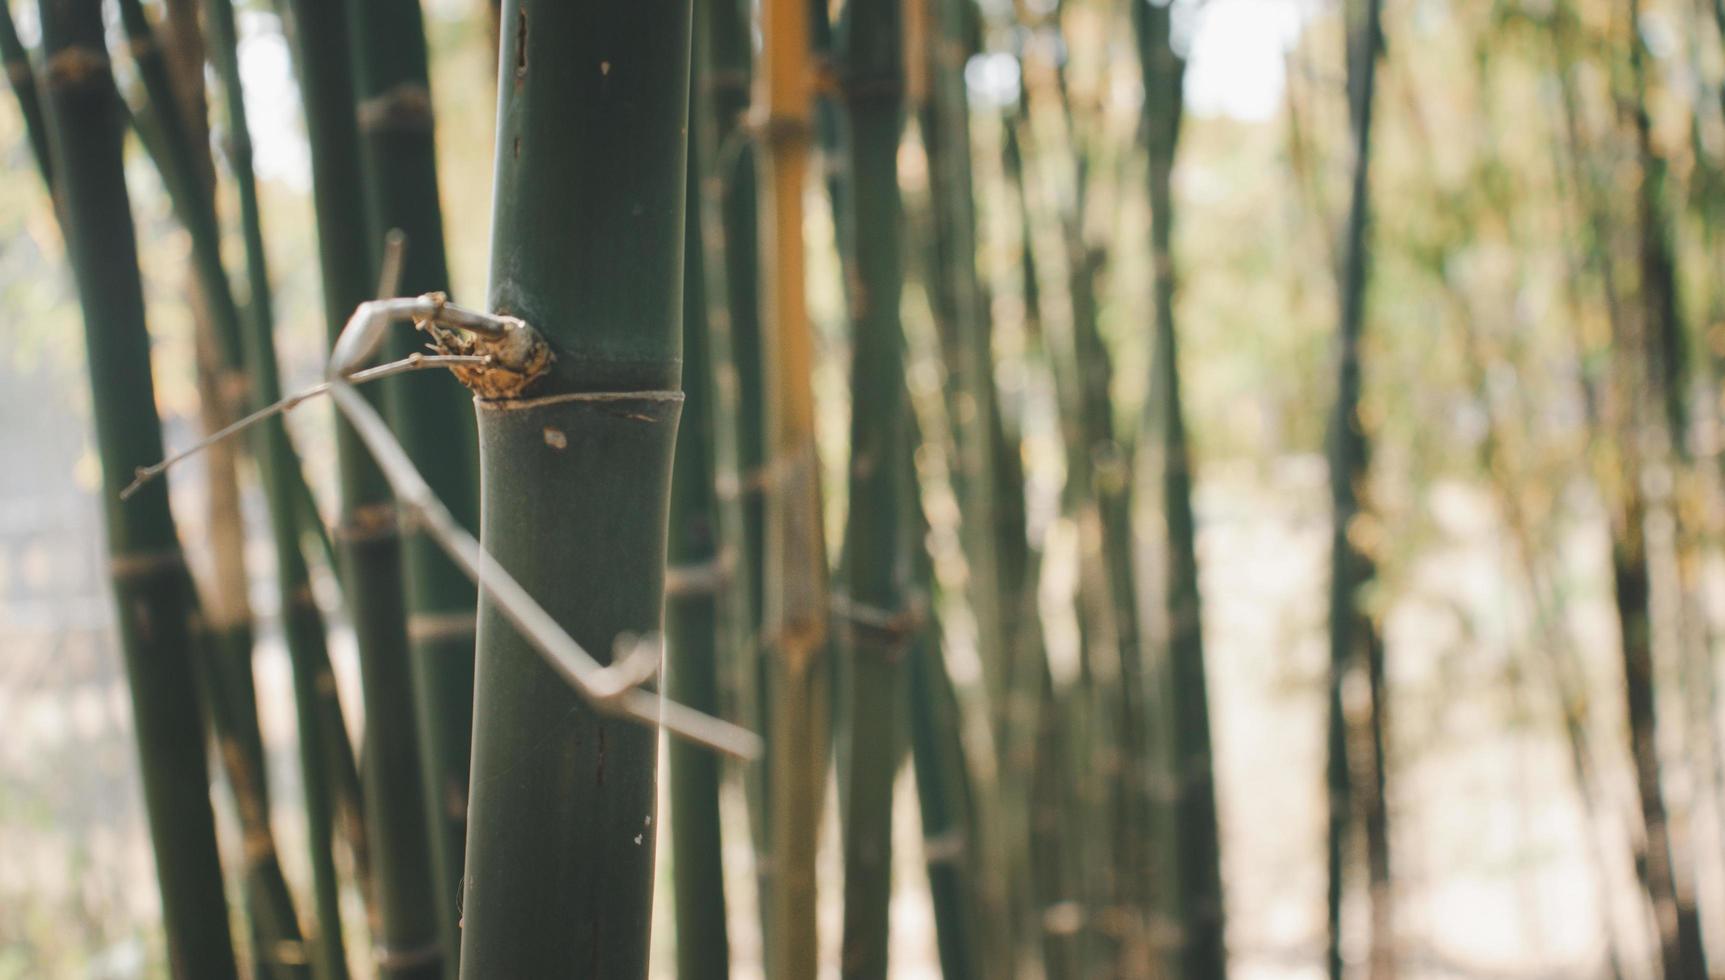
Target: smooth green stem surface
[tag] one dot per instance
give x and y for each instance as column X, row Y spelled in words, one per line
column 587, row 247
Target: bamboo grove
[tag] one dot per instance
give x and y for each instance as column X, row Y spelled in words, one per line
column 866, row 375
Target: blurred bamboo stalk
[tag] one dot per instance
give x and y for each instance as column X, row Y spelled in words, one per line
column 1193, row 866
column 1355, row 736
column 156, row 607
column 21, row 75
column 699, row 565
column 737, row 228
column 406, row 940
column 433, row 417
column 880, row 618
column 794, row 622
column 175, row 117
column 1002, row 732
column 315, row 696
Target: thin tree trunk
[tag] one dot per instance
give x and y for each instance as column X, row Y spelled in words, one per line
column 155, row 605
column 587, row 247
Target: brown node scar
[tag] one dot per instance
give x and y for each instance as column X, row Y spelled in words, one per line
column 518, row 356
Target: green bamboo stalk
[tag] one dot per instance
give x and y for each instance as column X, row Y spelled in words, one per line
column 432, row 416
column 1353, row 641
column 327, row 146
column 737, row 172
column 877, row 533
column 1056, row 876
column 1197, row 851
column 22, row 76
column 155, row 604
column 1649, row 340
column 302, row 621
column 961, row 311
column 407, row 942
column 226, row 635
column 944, row 790
column 233, row 698
column 1058, row 856
column 587, row 246
column 1595, row 230
column 697, row 576
column 1115, row 802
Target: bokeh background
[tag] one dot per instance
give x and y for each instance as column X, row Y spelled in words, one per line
column 1473, row 334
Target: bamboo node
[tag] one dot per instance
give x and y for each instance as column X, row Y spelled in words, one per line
column 890, row 629
column 699, row 578
column 142, row 564
column 289, row 952
column 370, row 522
column 19, row 73
column 1063, row 918
column 394, row 958
column 945, row 848
column 778, row 128
column 404, row 108
column 73, row 66
column 434, row 627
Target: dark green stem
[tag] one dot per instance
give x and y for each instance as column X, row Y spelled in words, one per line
column 877, row 534
column 587, row 246
column 154, row 600
column 278, row 468
column 699, row 571
column 431, row 415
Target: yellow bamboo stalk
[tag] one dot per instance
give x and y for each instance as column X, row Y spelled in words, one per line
column 796, row 601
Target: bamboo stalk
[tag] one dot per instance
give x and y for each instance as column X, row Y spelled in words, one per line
column 877, row 533
column 432, row 416
column 22, row 77
column 944, row 30
column 175, row 116
column 794, row 614
column 1197, row 841
column 587, row 245
column 405, row 931
column 1113, row 800
column 736, row 170
column 1649, row 338
column 1354, row 645
column 302, row 621
column 155, row 604
column 698, row 573
column 944, row 790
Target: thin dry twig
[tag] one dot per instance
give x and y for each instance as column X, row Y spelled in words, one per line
column 412, row 362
